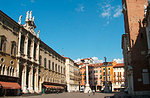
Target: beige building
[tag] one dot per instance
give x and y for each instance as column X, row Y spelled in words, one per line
column 118, row 77
column 27, row 62
column 52, row 70
column 8, row 55
column 72, row 75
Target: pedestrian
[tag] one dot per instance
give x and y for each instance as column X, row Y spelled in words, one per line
column 89, row 92
column 93, row 92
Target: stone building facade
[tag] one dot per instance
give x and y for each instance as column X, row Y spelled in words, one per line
column 26, row 61
column 97, row 76
column 134, row 45
column 52, row 69
column 72, row 75
column 8, row 55
column 118, row 77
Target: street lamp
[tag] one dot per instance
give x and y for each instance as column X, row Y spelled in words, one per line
column 106, row 89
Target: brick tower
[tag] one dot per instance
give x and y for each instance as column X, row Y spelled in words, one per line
column 135, row 47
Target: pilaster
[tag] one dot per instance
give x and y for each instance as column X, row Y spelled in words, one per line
column 32, row 49
column 37, row 52
column 30, row 80
column 24, row 75
column 36, row 80
column 19, row 42
column 26, row 46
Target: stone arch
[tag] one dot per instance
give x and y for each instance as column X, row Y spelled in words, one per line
column 3, row 70
column 3, row 41
column 8, row 71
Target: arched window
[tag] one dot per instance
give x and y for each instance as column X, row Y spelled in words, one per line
column 49, row 64
column 35, row 46
column 3, row 43
column 53, row 66
column 3, row 69
column 29, row 48
column 22, row 44
column 45, row 62
column 61, row 70
column 13, row 48
column 13, row 72
column 40, row 59
column 8, row 70
column 56, row 67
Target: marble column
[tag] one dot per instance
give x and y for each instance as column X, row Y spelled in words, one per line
column 17, row 68
column 26, row 46
column 32, row 49
column 36, row 80
column 106, row 89
column 1, row 69
column 19, row 42
column 37, row 52
column 30, row 80
column 23, row 82
column 87, row 87
column 5, row 71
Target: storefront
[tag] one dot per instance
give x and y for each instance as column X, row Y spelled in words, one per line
column 9, row 86
column 49, row 87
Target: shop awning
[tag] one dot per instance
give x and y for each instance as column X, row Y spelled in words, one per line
column 54, row 87
column 10, row 85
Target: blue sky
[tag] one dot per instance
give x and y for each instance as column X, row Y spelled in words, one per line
column 75, row 28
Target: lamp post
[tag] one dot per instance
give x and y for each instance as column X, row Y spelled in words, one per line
column 106, row 89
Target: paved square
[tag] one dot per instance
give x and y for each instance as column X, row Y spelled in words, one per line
column 68, row 95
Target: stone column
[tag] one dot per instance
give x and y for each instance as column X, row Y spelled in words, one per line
column 87, row 88
column 32, row 49
column 17, row 68
column 37, row 52
column 19, row 42
column 36, row 80
column 30, row 80
column 5, row 71
column 23, row 82
column 2, row 69
column 106, row 89
column 26, row 46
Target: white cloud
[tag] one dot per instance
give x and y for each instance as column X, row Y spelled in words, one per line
column 106, row 10
column 118, row 12
column 118, row 60
column 95, row 60
column 80, row 8
column 77, row 60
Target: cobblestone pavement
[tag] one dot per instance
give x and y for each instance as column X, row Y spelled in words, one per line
column 66, row 95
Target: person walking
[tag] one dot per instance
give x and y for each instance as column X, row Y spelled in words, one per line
column 93, row 92
column 89, row 92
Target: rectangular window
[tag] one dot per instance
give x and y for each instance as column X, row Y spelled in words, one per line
column 49, row 63
column 56, row 67
column 53, row 66
column 109, row 78
column 104, row 78
column 145, row 78
column 40, row 59
column 103, row 73
column 45, row 62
